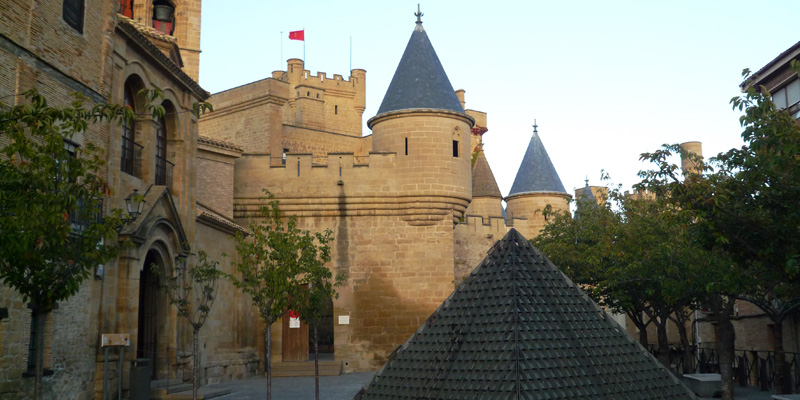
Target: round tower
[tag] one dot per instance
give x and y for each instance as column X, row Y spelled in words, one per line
column 536, row 186
column 422, row 121
column 688, row 164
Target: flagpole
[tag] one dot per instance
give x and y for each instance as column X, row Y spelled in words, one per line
column 304, row 47
column 351, row 52
column 280, row 64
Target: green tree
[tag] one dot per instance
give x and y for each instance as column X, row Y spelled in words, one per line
column 192, row 290
column 53, row 229
column 743, row 205
column 631, row 254
column 312, row 303
column 274, row 260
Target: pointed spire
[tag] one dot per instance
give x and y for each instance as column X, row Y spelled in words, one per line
column 420, row 80
column 516, row 328
column 587, row 196
column 483, row 182
column 536, row 173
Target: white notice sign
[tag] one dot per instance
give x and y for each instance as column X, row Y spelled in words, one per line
column 294, row 320
column 344, row 320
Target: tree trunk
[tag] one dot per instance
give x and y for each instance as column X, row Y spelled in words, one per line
column 663, row 342
column 642, row 327
column 688, row 360
column 39, row 318
column 316, row 362
column 725, row 349
column 196, row 361
column 779, row 383
column 268, row 358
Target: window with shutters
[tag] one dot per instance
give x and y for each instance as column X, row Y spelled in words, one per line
column 72, row 12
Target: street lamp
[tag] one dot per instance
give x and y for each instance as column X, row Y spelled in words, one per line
column 134, row 204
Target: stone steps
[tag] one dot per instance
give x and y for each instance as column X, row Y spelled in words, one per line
column 306, row 368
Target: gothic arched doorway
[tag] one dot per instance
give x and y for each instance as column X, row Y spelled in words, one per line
column 149, row 317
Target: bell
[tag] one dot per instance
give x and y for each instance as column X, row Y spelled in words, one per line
column 163, row 13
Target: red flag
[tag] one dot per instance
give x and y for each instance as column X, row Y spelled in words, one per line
column 297, row 35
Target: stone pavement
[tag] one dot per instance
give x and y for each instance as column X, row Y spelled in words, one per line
column 345, row 386
column 342, row 387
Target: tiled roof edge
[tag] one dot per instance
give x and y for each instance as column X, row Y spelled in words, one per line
column 131, row 30
column 219, row 143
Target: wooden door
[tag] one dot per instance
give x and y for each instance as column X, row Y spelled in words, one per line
column 294, row 337
column 147, row 342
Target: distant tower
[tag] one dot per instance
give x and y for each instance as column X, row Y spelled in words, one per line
column 421, row 119
column 486, row 196
column 537, row 184
column 687, row 164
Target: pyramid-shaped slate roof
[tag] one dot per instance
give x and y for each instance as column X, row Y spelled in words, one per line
column 483, row 182
column 517, row 328
column 420, row 80
column 536, row 172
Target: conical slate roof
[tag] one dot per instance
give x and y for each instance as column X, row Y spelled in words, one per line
column 420, row 80
column 517, row 328
column 483, row 182
column 536, row 173
column 587, row 197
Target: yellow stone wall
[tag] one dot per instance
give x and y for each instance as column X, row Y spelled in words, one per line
column 531, row 205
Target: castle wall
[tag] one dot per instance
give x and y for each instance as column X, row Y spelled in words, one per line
column 423, row 141
column 486, row 207
column 335, row 105
column 531, row 205
column 249, row 116
column 320, row 144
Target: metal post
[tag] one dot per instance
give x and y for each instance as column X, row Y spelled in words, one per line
column 105, row 374
column 121, row 368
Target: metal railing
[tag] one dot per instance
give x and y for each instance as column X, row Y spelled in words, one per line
column 163, row 172
column 750, row 367
column 131, row 159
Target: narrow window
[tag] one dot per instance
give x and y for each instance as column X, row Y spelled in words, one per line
column 406, row 146
column 298, row 166
column 335, row 110
column 283, row 161
column 72, row 12
column 161, row 152
column 128, row 132
column 455, row 148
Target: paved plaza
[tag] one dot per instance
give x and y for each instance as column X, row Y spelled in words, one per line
column 344, row 387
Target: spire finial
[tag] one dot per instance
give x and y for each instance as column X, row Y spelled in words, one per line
column 587, row 180
column 419, row 15
column 535, row 130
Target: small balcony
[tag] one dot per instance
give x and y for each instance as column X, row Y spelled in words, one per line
column 131, row 160
column 163, row 172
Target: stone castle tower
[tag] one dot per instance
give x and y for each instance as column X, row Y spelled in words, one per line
column 413, row 207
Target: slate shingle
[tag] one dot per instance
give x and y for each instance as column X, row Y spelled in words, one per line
column 420, row 80
column 517, row 328
column 536, row 172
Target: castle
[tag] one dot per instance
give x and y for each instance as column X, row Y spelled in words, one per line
column 413, row 206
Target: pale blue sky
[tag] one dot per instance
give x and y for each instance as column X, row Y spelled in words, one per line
column 606, row 80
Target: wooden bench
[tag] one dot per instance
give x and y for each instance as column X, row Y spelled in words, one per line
column 703, row 385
